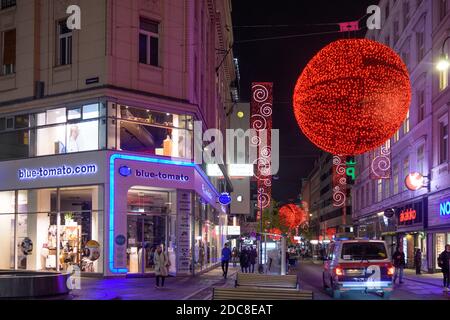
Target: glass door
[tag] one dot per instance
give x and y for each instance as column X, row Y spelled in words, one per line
column 145, row 234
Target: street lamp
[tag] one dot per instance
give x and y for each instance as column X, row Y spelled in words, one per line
column 443, row 63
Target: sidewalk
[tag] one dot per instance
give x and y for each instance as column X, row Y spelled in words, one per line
column 434, row 279
column 176, row 288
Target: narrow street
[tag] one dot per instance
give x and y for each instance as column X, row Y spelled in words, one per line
column 429, row 287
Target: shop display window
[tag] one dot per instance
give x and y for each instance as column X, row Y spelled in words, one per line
column 55, row 131
column 155, row 133
column 54, row 229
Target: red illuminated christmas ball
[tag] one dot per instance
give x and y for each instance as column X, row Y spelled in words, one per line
column 291, row 216
column 352, row 96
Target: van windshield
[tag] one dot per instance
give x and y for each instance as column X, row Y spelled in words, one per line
column 364, row 250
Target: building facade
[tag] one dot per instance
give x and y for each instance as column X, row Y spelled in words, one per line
column 97, row 134
column 420, row 145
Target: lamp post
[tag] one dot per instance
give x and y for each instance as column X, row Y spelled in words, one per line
column 443, row 63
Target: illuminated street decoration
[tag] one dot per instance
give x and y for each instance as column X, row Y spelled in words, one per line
column 261, row 122
column 414, row 181
column 352, row 96
column 292, row 216
column 380, row 164
column 339, row 181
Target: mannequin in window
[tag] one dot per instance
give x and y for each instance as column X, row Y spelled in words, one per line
column 72, row 142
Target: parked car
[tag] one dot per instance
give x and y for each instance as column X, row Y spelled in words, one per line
column 358, row 265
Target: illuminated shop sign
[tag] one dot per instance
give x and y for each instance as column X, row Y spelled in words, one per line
column 412, row 213
column 62, row 171
column 126, row 171
column 444, row 209
column 408, row 215
column 225, row 198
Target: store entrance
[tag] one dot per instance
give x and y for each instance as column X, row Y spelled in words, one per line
column 148, row 226
column 145, row 234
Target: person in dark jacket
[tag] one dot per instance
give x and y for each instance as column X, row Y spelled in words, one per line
column 226, row 256
column 243, row 260
column 418, row 261
column 398, row 259
column 252, row 259
column 444, row 264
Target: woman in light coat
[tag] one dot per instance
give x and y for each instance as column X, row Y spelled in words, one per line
column 162, row 263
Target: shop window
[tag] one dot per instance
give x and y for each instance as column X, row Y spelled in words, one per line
column 14, row 144
column 155, row 133
column 74, row 114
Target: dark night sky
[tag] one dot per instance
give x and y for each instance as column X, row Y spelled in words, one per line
column 281, row 62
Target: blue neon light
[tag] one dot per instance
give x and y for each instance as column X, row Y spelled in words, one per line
column 112, row 160
column 444, row 209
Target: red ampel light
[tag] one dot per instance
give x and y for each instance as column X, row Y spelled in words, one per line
column 352, row 96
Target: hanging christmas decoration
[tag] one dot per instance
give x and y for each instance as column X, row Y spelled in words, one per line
column 352, row 96
column 275, row 234
column 292, row 216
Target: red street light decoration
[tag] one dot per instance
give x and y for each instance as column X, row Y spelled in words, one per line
column 352, row 96
column 292, row 216
column 414, row 181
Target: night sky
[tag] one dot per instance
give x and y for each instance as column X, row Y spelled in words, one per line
column 281, row 62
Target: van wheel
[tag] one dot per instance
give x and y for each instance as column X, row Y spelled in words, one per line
column 386, row 295
column 335, row 294
column 325, row 287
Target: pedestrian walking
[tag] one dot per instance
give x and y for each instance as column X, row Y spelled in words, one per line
column 162, row 264
column 418, row 261
column 252, row 259
column 444, row 264
column 398, row 260
column 226, row 256
column 243, row 260
column 234, row 256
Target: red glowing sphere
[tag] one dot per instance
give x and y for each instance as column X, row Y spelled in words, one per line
column 352, row 96
column 292, row 216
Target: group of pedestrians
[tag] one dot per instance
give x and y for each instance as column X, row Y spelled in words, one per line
column 399, row 262
column 247, row 259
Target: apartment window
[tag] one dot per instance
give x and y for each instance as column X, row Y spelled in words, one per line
column 8, row 3
column 149, row 42
column 9, row 52
column 386, row 15
column 443, row 79
column 396, row 178
column 387, row 40
column 405, row 57
column 420, row 46
column 396, row 32
column 406, row 11
column 396, row 136
column 64, row 46
column 379, row 190
column 367, row 195
column 443, row 141
column 406, row 124
column 405, row 170
column 420, row 158
column 363, row 204
column 386, row 188
column 442, row 9
column 420, row 105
